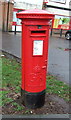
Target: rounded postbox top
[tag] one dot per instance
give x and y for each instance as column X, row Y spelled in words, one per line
column 35, row 13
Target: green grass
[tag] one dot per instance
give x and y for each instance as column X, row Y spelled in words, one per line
column 11, row 78
column 17, row 107
column 57, row 87
column 11, row 73
column 5, row 99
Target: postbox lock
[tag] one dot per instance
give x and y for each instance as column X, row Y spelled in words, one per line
column 39, row 26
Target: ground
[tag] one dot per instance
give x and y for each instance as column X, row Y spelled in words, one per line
column 57, row 92
column 58, row 60
column 53, row 105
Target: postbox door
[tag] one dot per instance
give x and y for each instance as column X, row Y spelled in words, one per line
column 37, row 75
column 35, row 68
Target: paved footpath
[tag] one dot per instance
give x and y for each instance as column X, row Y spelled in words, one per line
column 12, row 43
column 59, row 58
column 58, row 63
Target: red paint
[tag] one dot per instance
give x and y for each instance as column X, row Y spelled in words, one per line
column 67, row 49
column 16, row 9
column 34, row 67
column 14, row 23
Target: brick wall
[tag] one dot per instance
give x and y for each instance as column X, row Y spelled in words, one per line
column 7, row 16
column 10, row 18
column 0, row 15
column 4, row 15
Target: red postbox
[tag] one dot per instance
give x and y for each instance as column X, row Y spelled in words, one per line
column 35, row 36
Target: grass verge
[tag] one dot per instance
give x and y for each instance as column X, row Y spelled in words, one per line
column 11, row 83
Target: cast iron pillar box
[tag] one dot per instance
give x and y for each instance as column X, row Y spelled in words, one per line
column 35, row 36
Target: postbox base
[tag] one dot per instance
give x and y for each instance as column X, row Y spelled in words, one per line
column 33, row 100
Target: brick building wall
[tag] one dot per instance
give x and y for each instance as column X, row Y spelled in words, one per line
column 7, row 16
column 4, row 16
column 10, row 18
column 0, row 15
